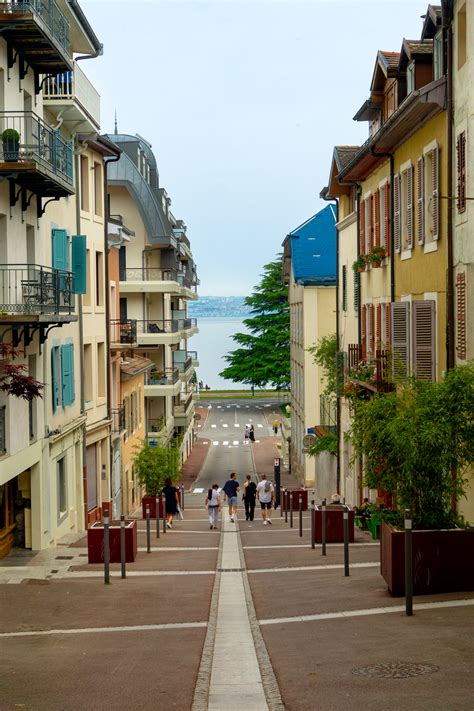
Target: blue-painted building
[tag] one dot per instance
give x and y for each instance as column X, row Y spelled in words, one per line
column 312, row 250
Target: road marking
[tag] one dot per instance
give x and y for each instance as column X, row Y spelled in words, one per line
column 236, row 424
column 235, row 441
column 225, row 442
column 225, row 425
column 305, row 545
column 302, row 568
column 213, row 425
column 133, row 573
column 198, row 491
column 259, row 425
column 96, row 630
column 369, row 611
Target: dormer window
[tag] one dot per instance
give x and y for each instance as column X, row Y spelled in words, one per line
column 438, row 68
column 411, row 77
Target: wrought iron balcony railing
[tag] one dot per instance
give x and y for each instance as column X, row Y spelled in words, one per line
column 48, row 12
column 34, row 289
column 118, row 419
column 167, row 376
column 123, row 331
column 371, row 372
column 148, row 274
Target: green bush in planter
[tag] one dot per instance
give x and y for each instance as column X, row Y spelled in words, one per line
column 154, row 464
column 9, row 135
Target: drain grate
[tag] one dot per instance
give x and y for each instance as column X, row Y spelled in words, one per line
column 396, row 670
column 64, row 557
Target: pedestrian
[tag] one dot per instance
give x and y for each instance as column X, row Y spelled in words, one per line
column 265, row 494
column 252, row 433
column 171, row 501
column 275, row 426
column 247, row 432
column 213, row 503
column 230, row 489
column 250, row 492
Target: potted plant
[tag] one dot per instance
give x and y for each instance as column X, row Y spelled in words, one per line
column 153, row 464
column 376, row 255
column 95, row 541
column 11, row 145
column 416, row 443
column 359, row 264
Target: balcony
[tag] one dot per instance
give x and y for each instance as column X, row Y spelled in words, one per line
column 162, row 383
column 123, row 333
column 367, row 374
column 38, row 32
column 184, row 363
column 42, row 160
column 72, row 95
column 35, row 291
column 139, row 280
column 156, row 332
column 194, row 358
column 188, row 286
column 327, row 414
column 156, row 428
column 183, row 409
column 118, row 420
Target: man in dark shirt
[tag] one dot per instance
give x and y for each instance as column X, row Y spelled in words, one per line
column 230, row 489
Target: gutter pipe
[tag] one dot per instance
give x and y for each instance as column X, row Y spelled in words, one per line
column 82, row 19
column 447, row 9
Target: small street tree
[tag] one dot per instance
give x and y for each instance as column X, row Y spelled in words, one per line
column 264, row 354
column 153, row 464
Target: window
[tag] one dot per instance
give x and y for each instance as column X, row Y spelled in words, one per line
column 438, row 59
column 399, row 337
column 98, row 190
column 431, row 193
column 60, row 250
column 461, row 171
column 410, row 77
column 101, row 369
column 406, row 207
column 140, row 415
column 462, row 36
column 344, row 288
column 99, row 278
column 88, row 372
column 62, row 488
column 133, row 410
column 84, row 183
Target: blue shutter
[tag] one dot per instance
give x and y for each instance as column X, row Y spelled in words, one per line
column 60, row 255
column 79, row 264
column 54, row 378
column 67, row 374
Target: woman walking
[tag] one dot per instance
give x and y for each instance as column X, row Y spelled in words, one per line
column 171, row 501
column 252, row 433
column 250, row 492
column 213, row 503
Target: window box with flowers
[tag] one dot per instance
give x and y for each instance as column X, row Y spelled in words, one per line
column 375, row 257
column 359, row 264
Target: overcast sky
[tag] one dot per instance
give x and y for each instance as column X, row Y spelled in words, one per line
column 242, row 102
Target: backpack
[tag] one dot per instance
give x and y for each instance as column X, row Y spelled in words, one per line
column 266, row 488
column 209, row 495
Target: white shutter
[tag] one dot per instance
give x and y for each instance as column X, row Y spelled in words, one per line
column 435, row 195
column 400, row 334
column 420, row 169
column 396, row 211
column 424, row 340
column 409, row 206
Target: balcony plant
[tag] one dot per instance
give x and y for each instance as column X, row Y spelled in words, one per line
column 11, row 145
column 376, row 255
column 153, row 464
column 359, row 264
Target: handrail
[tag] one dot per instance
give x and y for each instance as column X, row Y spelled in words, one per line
column 49, row 13
column 123, row 331
column 166, row 376
column 35, row 289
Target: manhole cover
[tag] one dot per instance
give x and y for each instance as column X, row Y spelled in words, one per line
column 396, row 670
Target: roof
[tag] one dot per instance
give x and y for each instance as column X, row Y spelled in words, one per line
column 313, row 249
column 134, row 366
column 432, row 21
column 344, row 154
column 389, row 59
column 414, row 49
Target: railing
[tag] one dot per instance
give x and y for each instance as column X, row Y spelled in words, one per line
column 74, row 86
column 123, row 331
column 3, row 441
column 156, row 424
column 327, row 414
column 167, row 376
column 49, row 13
column 34, row 289
column 165, row 325
column 183, row 365
column 193, row 355
column 182, row 404
column 118, row 419
column 371, row 373
column 38, row 142
column 354, row 355
column 148, row 274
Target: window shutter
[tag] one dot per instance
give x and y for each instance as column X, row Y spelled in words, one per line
column 387, row 325
column 461, row 346
column 396, row 211
column 377, row 218
column 362, row 227
column 372, row 328
column 356, row 289
column 364, row 330
column 60, row 256
column 370, row 205
column 435, row 195
column 461, row 160
column 386, row 242
column 67, row 374
column 54, row 378
column 79, row 264
column 409, row 178
column 424, row 340
column 378, row 321
column 420, row 170
column 399, row 318
column 344, row 288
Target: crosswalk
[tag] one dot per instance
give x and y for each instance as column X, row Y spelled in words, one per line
column 234, row 443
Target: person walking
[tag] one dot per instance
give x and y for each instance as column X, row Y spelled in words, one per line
column 247, row 432
column 230, row 489
column 213, row 503
column 275, row 426
column 171, row 501
column 252, row 433
column 265, row 494
column 250, row 492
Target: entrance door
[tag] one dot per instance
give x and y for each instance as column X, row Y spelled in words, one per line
column 91, row 461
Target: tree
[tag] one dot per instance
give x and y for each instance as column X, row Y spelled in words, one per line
column 264, row 356
column 14, row 378
column 325, row 355
column 153, row 464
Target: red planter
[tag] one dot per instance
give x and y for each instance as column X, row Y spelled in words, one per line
column 151, row 500
column 443, row 561
column 296, row 498
column 95, row 541
column 334, row 523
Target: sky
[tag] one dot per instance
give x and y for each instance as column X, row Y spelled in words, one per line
column 243, row 102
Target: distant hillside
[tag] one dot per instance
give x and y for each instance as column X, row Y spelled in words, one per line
column 219, row 307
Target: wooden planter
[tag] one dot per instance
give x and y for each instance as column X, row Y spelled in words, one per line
column 95, row 541
column 334, row 523
column 443, row 561
column 296, row 493
column 151, row 500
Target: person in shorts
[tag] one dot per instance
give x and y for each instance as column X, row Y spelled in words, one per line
column 231, row 489
column 265, row 494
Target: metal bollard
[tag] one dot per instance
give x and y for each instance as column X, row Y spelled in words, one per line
column 301, row 515
column 122, row 546
column 286, row 506
column 408, row 563
column 291, row 509
column 282, row 503
column 182, row 497
column 157, row 504
column 106, row 547
column 323, row 527
column 313, row 536
column 164, row 514
column 148, row 531
column 346, row 543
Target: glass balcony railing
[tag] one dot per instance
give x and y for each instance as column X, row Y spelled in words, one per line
column 183, row 365
column 34, row 289
column 167, row 376
column 165, row 325
column 148, row 274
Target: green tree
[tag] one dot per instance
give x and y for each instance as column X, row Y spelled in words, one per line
column 264, row 354
column 153, row 464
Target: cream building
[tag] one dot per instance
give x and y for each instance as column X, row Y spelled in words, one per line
column 310, row 272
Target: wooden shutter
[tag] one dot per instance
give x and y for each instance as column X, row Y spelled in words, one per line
column 399, row 337
column 377, row 218
column 370, row 205
column 362, row 227
column 78, row 260
column 396, row 211
column 378, row 326
column 387, row 219
column 435, row 195
column 420, row 172
column 54, row 378
column 424, row 339
column 59, row 250
column 461, row 346
column 409, row 206
column 364, row 330
column 356, row 289
column 372, row 328
column 387, row 325
column 461, row 171
column 344, row 288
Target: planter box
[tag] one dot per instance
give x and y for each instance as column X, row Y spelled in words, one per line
column 95, row 541
column 334, row 523
column 443, row 561
column 296, row 498
column 152, row 501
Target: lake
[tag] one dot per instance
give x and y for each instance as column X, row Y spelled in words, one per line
column 213, row 341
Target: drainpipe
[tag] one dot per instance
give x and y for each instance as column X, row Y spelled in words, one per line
column 392, row 233
column 359, row 310
column 448, row 31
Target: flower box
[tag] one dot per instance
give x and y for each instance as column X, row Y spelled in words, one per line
column 95, row 541
column 334, row 523
column 295, row 494
column 151, row 500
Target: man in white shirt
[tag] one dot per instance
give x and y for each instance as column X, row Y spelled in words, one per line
column 265, row 494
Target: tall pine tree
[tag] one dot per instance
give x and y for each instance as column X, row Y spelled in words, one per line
column 264, row 355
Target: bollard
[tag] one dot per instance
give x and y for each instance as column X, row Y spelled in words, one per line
column 157, row 503
column 164, row 514
column 346, row 543
column 148, row 532
column 291, row 509
column 313, row 536
column 301, row 515
column 408, row 564
column 282, row 496
column 122, row 546
column 106, row 547
column 182, row 497
column 323, row 527
column 286, row 506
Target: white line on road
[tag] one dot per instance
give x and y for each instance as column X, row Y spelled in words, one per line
column 235, row 441
column 225, row 442
column 305, row 545
column 213, row 425
column 259, row 425
column 224, row 425
column 236, row 424
column 97, row 630
column 215, row 442
column 301, row 568
column 133, row 573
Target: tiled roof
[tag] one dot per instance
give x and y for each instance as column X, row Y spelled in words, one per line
column 136, row 365
column 390, row 59
column 344, row 155
column 417, row 47
column 313, row 249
